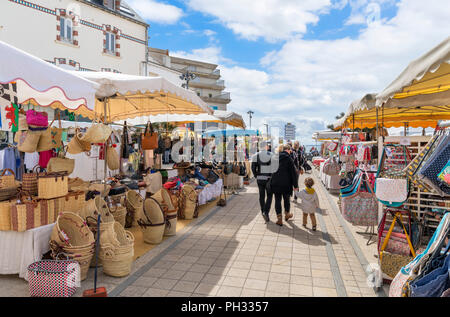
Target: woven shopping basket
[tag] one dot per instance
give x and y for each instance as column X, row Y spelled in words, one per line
column 154, row 222
column 30, row 180
column 188, row 202
column 135, row 204
column 53, row 278
column 170, row 210
column 53, row 185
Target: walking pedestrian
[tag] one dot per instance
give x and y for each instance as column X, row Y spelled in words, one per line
column 261, row 168
column 282, row 184
column 309, row 203
column 298, row 161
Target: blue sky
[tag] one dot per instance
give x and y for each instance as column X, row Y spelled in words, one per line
column 298, row 61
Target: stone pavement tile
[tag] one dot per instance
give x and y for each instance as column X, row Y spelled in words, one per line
column 258, row 275
column 324, row 292
column 245, row 258
column 179, row 294
column 193, row 276
column 217, row 270
column 350, row 283
column 200, row 268
column 279, row 277
column 301, row 290
column 255, row 284
column 181, row 266
column 241, row 265
column 320, row 266
column 323, row 282
column 188, row 259
column 282, row 255
column 262, row 259
column 211, row 254
column 301, row 271
column 134, row 291
column 164, row 283
column 234, row 281
column 206, row 261
column 276, row 294
column 222, row 263
column 185, row 286
column 252, row 293
column 320, row 259
column 367, row 291
column 164, row 265
column 283, row 262
column 155, row 272
column 352, row 289
column 265, row 267
column 354, row 295
column 321, row 273
column 153, row 292
column 301, row 280
column 213, row 279
column 280, row 269
column 229, row 291
column 304, row 263
column 277, row 287
column 238, row 272
column 206, row 289
column 145, row 281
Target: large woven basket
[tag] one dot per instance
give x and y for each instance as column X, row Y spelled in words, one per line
column 153, row 223
column 7, row 181
column 170, row 210
column 78, row 185
column 53, row 185
column 101, row 188
column 5, row 216
column 71, row 230
column 74, row 202
column 189, row 201
column 8, row 193
column 120, row 214
column 134, row 204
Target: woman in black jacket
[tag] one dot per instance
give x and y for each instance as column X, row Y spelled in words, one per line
column 282, row 184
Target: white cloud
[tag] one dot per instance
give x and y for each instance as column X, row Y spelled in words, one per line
column 155, row 11
column 270, row 19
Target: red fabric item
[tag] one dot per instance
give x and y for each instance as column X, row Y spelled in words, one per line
column 101, row 152
column 44, row 157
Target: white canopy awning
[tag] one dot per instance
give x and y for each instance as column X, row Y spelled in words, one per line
column 44, row 84
column 137, row 96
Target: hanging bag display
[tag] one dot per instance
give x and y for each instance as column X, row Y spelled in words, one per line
column 361, row 208
column 112, row 157
column 97, row 133
column 51, row 138
column 61, row 164
column 149, row 138
column 392, row 186
column 332, row 146
column 37, row 119
column 77, row 145
column 391, row 263
column 27, row 141
column 331, row 167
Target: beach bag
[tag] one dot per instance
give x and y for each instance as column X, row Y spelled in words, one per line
column 112, row 158
column 391, row 263
column 361, row 208
column 392, row 186
column 154, row 182
column 149, row 138
column 61, row 164
column 153, row 223
column 398, row 242
column 53, row 185
column 23, row 125
column 50, row 138
column 74, row 202
column 30, row 182
column 37, row 119
column 27, row 141
column 77, row 144
column 27, row 214
column 170, row 210
column 97, row 133
column 332, row 146
column 134, row 204
column 7, row 181
column 53, row 278
column 188, row 204
column 331, row 167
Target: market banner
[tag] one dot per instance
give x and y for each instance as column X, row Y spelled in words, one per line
column 9, row 119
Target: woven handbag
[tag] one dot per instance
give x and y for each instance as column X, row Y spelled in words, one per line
column 74, row 202
column 77, row 144
column 153, row 222
column 29, row 180
column 97, row 133
column 61, row 164
column 149, row 138
column 112, row 158
column 5, row 216
column 331, row 167
column 27, row 141
column 51, row 138
column 7, row 181
column 53, row 185
column 27, row 214
column 53, row 278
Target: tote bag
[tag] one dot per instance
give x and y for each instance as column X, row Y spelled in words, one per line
column 149, row 138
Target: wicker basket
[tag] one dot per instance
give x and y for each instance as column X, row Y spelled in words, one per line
column 134, row 204
column 5, row 216
column 71, row 230
column 8, row 193
column 189, row 201
column 78, row 185
column 170, row 210
column 52, row 185
column 120, row 214
column 7, row 181
column 74, row 202
column 154, row 223
column 104, row 191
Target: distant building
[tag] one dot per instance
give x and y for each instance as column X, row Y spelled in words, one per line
column 289, row 132
column 207, row 84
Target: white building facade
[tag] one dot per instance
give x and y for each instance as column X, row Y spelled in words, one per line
column 94, row 35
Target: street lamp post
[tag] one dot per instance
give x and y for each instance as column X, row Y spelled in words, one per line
column 187, row 76
column 250, row 114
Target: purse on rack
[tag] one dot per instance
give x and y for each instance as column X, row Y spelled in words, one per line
column 61, row 163
column 149, row 138
column 361, row 208
column 37, row 119
column 331, row 167
column 391, row 263
column 392, row 186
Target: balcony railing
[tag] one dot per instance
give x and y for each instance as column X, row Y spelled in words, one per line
column 220, row 83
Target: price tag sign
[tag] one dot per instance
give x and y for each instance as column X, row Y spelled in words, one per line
column 405, row 141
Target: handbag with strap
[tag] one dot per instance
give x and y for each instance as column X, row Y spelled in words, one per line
column 149, row 138
column 398, row 243
column 391, row 263
column 38, row 119
column 112, row 157
column 61, row 163
column 30, row 180
column 331, row 167
column 332, row 146
column 392, row 186
column 361, row 208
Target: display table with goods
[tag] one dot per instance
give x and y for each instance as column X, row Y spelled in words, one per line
column 331, row 181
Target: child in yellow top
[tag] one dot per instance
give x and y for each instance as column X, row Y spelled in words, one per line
column 309, row 203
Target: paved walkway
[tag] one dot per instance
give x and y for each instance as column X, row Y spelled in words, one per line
column 233, row 253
